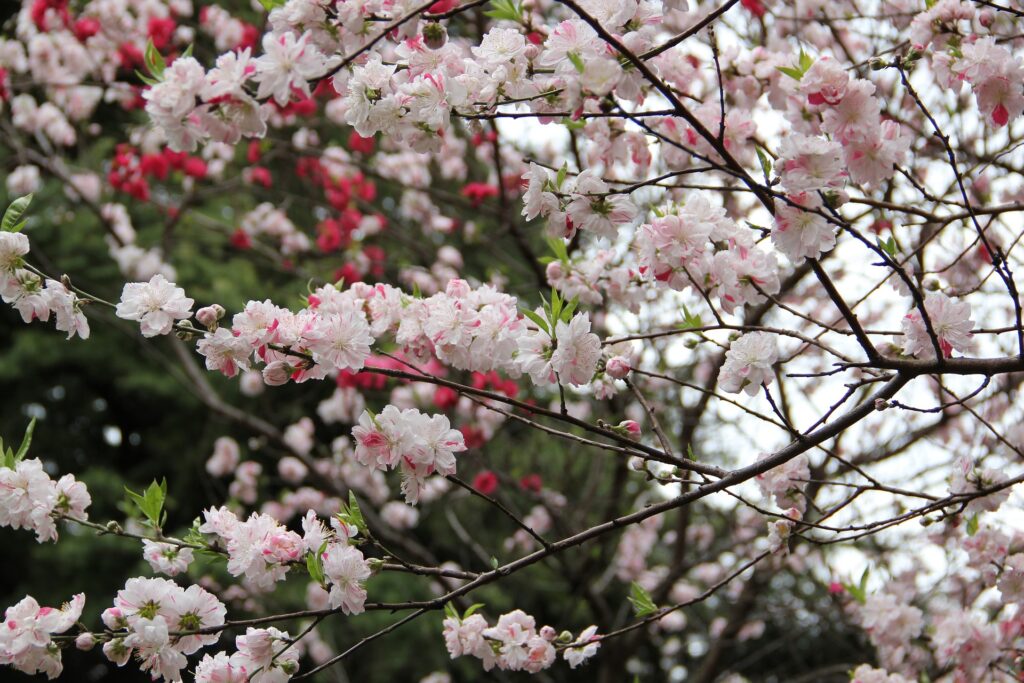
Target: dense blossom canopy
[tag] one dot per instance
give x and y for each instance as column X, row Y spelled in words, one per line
column 701, row 312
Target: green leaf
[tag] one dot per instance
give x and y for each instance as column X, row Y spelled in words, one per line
column 271, row 5
column 576, row 60
column 154, row 60
column 505, row 10
column 570, row 309
column 14, row 213
column 316, row 572
column 690, row 321
column 689, row 453
column 537, row 320
column 972, row 525
column 188, row 51
column 26, row 441
column 557, row 245
column 472, row 608
column 791, row 72
column 145, row 79
column 641, row 600
column 806, row 61
column 766, row 162
column 151, row 501
column 562, row 173
column 859, row 591
column 450, row 611
column 577, row 124
column 356, row 514
column 888, row 246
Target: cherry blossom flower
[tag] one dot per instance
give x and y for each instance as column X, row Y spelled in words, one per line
column 156, row 304
column 287, row 63
column 346, row 569
column 577, row 351
column 748, row 363
column 951, row 322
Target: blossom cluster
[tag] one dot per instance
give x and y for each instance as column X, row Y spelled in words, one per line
column 147, row 612
column 514, row 643
column 33, row 298
column 698, row 246
column 418, row 444
column 29, row 499
column 25, row 639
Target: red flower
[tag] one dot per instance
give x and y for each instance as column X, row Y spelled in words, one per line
column 531, row 482
column 486, row 482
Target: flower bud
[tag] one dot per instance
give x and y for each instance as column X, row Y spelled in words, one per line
column 458, row 289
column 435, row 35
column 986, row 17
column 617, row 367
column 548, row 633
column 554, row 271
column 277, row 373
column 85, row 641
column 630, row 428
column 209, row 315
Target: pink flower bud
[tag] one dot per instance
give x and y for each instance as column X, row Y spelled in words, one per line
column 277, row 373
column 457, row 289
column 548, row 633
column 986, row 17
column 554, row 271
column 209, row 315
column 85, row 641
column 631, row 428
column 617, row 367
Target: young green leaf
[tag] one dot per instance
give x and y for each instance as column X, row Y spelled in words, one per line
column 766, row 162
column 972, row 525
column 450, row 611
column 795, row 74
column 559, row 249
column 641, row 600
column 537, row 320
column 505, row 10
column 14, row 213
column 154, row 60
column 472, row 608
column 26, row 441
column 151, row 501
column 562, row 173
column 356, row 514
column 569, row 309
column 577, row 61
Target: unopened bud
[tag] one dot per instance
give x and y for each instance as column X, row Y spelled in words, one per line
column 617, row 367
column 85, row 641
column 881, row 404
column 435, row 35
column 209, row 315
column 630, row 428
column 277, row 373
